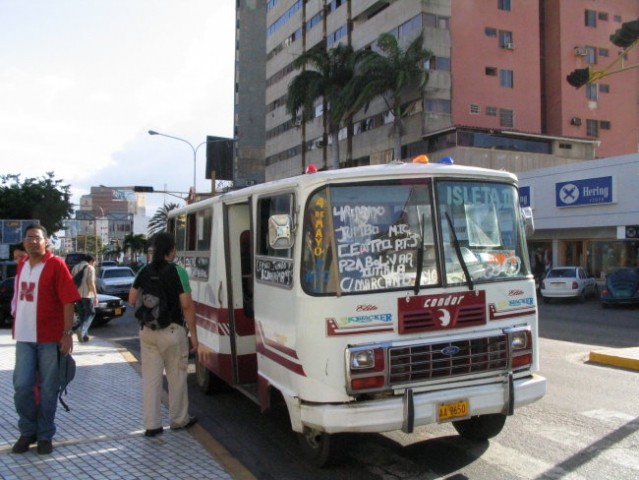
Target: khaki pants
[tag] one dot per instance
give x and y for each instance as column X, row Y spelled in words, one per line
column 165, row 350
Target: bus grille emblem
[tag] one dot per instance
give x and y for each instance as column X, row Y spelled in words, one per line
column 450, row 350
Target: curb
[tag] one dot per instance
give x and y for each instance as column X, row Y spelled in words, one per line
column 627, row 358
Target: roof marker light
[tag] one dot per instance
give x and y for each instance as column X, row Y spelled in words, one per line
column 420, row 159
column 311, row 169
column 446, row 161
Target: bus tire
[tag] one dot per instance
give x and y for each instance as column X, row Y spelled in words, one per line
column 480, row 428
column 315, row 446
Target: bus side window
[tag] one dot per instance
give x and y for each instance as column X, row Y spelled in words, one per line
column 247, row 272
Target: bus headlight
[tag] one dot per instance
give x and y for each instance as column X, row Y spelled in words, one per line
column 521, row 348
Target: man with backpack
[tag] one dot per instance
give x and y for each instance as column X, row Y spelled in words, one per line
column 84, row 278
column 161, row 296
column 44, row 300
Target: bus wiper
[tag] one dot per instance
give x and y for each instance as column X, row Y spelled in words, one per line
column 460, row 257
column 420, row 257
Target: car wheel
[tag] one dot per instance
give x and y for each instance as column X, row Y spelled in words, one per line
column 582, row 296
column 315, row 446
column 545, row 299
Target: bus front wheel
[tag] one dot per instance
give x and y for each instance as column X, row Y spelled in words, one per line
column 315, row 446
column 480, row 428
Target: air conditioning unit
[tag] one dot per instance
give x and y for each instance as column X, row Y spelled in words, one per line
column 581, row 51
column 509, row 46
column 575, row 121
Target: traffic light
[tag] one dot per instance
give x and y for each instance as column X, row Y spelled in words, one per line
column 140, row 189
column 578, row 78
column 626, row 35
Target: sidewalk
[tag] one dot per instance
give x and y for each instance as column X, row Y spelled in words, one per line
column 102, row 437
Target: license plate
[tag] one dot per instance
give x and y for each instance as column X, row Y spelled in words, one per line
column 118, row 311
column 453, row 410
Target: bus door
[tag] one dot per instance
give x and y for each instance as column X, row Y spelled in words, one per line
column 238, row 258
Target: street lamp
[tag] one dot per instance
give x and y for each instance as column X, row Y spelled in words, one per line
column 194, row 148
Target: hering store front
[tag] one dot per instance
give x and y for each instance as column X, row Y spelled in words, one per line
column 585, row 214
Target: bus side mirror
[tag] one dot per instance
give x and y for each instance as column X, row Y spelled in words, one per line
column 279, row 232
column 527, row 217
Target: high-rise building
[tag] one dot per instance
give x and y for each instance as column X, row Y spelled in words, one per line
column 497, row 93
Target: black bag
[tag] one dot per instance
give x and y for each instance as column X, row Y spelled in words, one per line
column 77, row 278
column 151, row 306
column 66, row 373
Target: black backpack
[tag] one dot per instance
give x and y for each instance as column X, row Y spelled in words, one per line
column 66, row 373
column 151, row 306
column 77, row 278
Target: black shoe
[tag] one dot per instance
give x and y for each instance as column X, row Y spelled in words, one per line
column 85, row 339
column 23, row 443
column 192, row 421
column 153, row 432
column 45, row 447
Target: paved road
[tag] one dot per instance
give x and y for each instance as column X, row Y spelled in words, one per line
column 586, row 427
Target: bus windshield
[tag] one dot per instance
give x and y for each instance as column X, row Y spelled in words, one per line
column 384, row 236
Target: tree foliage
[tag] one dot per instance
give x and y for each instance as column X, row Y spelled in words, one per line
column 160, row 219
column 45, row 199
column 325, row 76
column 396, row 74
column 135, row 244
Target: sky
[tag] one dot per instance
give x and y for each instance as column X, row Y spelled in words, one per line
column 82, row 82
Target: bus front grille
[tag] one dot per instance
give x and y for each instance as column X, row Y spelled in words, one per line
column 418, row 363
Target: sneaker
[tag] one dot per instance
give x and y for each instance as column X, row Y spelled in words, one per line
column 85, row 338
column 79, row 334
column 153, row 432
column 23, row 443
column 45, row 447
column 192, row 421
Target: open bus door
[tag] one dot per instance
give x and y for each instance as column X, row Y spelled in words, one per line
column 239, row 271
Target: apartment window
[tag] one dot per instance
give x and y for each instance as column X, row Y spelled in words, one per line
column 503, row 5
column 616, row 18
column 604, row 125
column 436, row 21
column 490, row 32
column 491, row 71
column 438, row 63
column 604, row 88
column 603, row 16
column 506, row 118
column 591, row 18
column 592, row 128
column 604, row 52
column 591, row 55
column 505, row 39
column 592, row 92
column 475, row 109
column 435, row 105
column 491, row 111
column 506, row 78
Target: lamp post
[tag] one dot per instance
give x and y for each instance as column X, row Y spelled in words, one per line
column 194, row 148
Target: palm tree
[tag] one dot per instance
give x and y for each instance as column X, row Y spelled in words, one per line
column 326, row 74
column 160, row 219
column 135, row 243
column 395, row 74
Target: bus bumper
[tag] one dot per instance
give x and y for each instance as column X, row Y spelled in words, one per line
column 389, row 414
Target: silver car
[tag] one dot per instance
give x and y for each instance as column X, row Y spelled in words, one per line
column 115, row 281
column 568, row 282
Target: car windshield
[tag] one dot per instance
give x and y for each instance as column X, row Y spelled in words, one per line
column 117, row 273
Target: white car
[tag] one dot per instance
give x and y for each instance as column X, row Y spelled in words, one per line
column 114, row 281
column 568, row 282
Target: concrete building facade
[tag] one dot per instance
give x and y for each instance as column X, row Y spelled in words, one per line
column 499, row 68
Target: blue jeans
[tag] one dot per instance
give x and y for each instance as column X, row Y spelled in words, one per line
column 36, row 420
column 86, row 314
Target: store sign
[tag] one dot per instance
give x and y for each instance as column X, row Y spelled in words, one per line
column 590, row 191
column 524, row 197
column 632, row 231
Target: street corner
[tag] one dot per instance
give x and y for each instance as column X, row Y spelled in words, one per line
column 627, row 358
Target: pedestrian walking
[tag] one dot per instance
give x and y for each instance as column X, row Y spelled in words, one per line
column 44, row 302
column 163, row 335
column 89, row 294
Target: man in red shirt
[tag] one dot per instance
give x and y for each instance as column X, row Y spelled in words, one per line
column 44, row 299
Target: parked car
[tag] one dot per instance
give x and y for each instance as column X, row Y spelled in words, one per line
column 72, row 259
column 114, row 281
column 6, row 294
column 568, row 282
column 108, row 308
column 108, row 263
column 622, row 287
